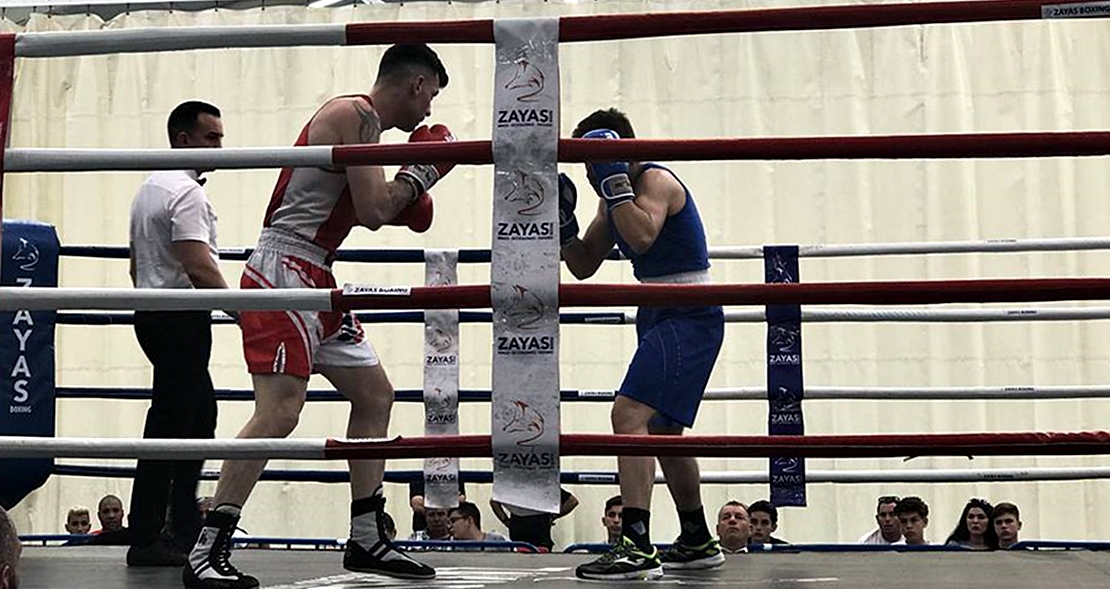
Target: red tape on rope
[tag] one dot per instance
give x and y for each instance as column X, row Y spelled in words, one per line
column 856, row 446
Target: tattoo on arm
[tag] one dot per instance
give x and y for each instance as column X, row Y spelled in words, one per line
column 369, row 126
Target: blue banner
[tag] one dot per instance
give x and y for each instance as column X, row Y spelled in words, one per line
column 784, row 377
column 30, row 258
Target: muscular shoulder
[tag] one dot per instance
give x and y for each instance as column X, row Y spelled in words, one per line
column 661, row 186
column 345, row 120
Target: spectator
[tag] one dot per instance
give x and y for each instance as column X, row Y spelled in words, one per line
column 765, row 520
column 533, row 527
column 112, row 532
column 438, row 528
column 974, row 529
column 466, row 525
column 10, row 549
column 389, row 526
column 913, row 514
column 611, row 518
column 733, row 527
column 78, row 520
column 110, row 513
column 416, row 502
column 890, row 529
column 1007, row 524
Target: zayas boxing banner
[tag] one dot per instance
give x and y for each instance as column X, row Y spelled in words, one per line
column 784, row 378
column 30, row 258
column 441, row 381
column 525, row 265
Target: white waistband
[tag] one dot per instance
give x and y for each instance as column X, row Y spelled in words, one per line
column 694, row 277
column 290, row 243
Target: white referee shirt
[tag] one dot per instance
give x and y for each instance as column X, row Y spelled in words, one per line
column 170, row 206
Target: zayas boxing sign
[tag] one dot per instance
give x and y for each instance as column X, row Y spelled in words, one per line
column 525, row 265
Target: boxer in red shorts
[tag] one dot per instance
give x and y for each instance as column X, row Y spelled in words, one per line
column 310, row 214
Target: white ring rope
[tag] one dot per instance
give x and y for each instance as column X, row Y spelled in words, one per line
column 915, row 315
column 164, row 449
column 69, row 43
column 14, row 298
column 39, row 159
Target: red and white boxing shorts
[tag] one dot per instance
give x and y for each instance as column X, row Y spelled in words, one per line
column 293, row 342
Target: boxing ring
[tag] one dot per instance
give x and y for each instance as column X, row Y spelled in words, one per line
column 1044, row 564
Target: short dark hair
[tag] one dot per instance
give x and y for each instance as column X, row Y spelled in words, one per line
column 613, row 502
column 468, row 509
column 107, row 498
column 912, row 505
column 9, row 541
column 400, row 59
column 610, row 118
column 1004, row 508
column 183, row 118
column 885, row 499
column 765, row 507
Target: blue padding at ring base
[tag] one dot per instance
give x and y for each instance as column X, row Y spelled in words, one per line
column 332, row 476
column 403, row 395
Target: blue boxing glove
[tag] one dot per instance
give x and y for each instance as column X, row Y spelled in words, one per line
column 568, row 200
column 610, row 179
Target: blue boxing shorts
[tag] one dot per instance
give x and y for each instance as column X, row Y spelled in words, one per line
column 671, row 367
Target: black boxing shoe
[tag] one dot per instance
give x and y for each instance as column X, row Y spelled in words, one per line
column 209, row 565
column 383, row 558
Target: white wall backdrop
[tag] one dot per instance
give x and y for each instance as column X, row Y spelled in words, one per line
column 1029, row 76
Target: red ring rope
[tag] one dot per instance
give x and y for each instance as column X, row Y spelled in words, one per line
column 609, row 27
column 949, row 145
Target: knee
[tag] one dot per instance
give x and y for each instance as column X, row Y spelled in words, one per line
column 625, row 421
column 280, row 421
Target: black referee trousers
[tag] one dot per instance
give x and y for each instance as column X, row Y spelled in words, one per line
column 183, row 405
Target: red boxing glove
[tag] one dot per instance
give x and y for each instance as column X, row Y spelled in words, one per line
column 417, row 216
column 424, row 176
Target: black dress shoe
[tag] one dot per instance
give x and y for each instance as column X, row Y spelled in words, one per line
column 156, row 554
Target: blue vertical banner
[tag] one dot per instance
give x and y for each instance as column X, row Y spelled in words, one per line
column 30, row 258
column 784, row 377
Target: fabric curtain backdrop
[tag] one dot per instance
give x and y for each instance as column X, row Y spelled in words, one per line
column 1027, row 76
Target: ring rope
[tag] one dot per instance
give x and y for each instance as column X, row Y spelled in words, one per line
column 570, row 295
column 958, row 475
column 740, row 252
column 731, row 316
column 879, row 147
column 812, row 393
column 571, row 28
column 479, row 446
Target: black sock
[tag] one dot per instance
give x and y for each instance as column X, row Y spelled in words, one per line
column 636, row 526
column 695, row 532
column 375, row 502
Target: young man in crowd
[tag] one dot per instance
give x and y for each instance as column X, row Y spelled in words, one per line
column 1007, row 524
column 913, row 514
column 889, row 530
column 765, row 521
column 611, row 519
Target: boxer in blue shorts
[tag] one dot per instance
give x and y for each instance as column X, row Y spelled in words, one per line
column 650, row 215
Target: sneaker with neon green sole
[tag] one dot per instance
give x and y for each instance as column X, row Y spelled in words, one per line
column 691, row 558
column 623, row 562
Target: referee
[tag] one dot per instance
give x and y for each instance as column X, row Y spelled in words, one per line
column 173, row 245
